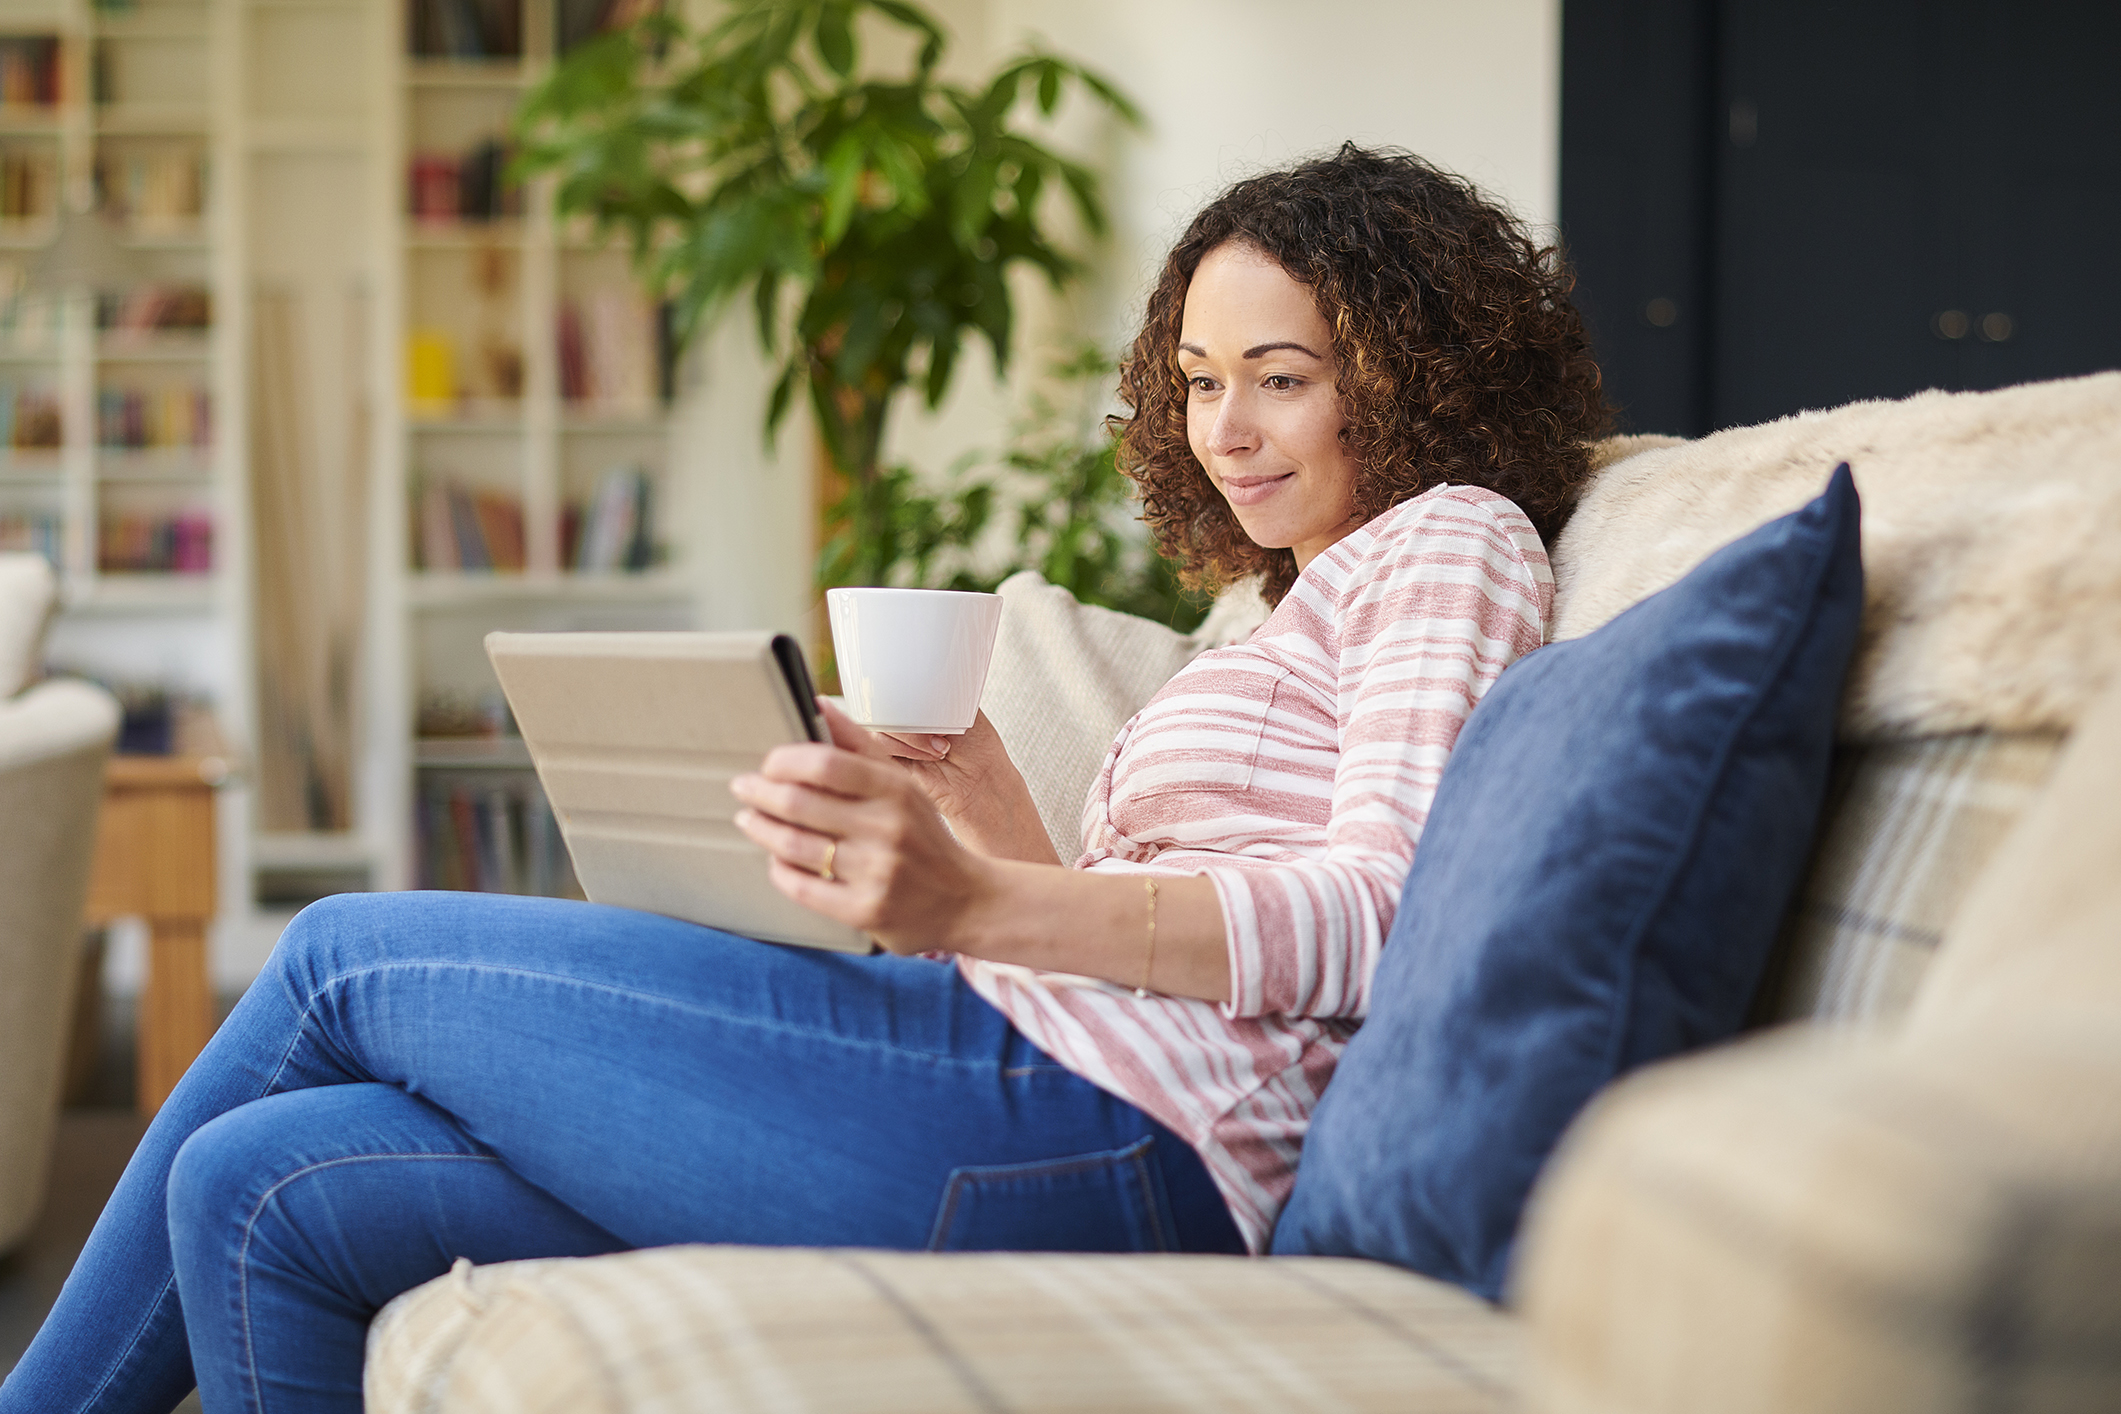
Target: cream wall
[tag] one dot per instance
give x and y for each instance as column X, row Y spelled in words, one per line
column 1241, row 85
column 1228, row 89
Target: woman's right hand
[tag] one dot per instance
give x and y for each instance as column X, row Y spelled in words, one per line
column 969, row 778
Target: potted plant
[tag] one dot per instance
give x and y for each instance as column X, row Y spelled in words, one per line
column 1063, row 506
column 873, row 218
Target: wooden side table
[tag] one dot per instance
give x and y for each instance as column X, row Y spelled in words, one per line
column 155, row 860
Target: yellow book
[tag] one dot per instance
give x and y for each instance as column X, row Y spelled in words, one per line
column 430, row 372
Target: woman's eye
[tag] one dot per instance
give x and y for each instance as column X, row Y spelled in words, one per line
column 1201, row 383
column 1280, row 382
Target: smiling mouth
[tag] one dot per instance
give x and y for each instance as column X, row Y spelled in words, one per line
column 1251, row 490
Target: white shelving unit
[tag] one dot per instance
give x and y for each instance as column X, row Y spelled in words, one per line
column 305, row 115
column 54, row 348
column 142, row 98
column 495, row 288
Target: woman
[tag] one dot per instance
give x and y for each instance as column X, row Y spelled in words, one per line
column 1355, row 378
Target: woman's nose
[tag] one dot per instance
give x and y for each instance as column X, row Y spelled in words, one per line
column 1233, row 430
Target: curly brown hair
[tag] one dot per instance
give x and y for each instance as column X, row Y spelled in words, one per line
column 1460, row 359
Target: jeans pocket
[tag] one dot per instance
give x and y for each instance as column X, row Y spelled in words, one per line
column 1106, row 1202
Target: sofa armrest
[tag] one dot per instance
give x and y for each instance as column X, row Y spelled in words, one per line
column 53, row 741
column 56, row 718
column 1809, row 1222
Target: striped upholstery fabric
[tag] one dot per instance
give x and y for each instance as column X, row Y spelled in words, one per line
column 738, row 1328
column 1909, row 825
column 1838, row 1223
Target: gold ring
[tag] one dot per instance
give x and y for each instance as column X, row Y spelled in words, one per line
column 824, row 871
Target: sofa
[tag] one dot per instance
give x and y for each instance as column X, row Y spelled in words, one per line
column 1899, row 1190
column 54, row 737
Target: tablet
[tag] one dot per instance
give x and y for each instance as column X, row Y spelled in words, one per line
column 636, row 737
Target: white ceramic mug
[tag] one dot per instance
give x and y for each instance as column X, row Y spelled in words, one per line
column 913, row 660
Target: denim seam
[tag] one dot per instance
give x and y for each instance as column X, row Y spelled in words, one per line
column 967, row 1175
column 250, row 1349
column 1142, row 1176
column 133, row 1344
column 722, row 1017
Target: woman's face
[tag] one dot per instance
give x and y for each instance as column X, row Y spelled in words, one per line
column 1262, row 405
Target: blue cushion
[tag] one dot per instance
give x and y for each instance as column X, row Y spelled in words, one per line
column 1611, row 851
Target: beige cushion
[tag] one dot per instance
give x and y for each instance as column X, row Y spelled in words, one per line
column 1067, row 676
column 1907, row 829
column 2039, row 938
column 739, row 1328
column 1812, row 1225
column 28, row 591
column 1989, row 525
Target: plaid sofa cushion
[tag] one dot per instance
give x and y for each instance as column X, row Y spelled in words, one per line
column 1837, row 1222
column 1908, row 825
column 857, row 1332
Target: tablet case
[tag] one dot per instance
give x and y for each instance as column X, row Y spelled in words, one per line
column 636, row 737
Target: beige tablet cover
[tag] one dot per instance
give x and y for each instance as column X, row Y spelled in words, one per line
column 636, row 737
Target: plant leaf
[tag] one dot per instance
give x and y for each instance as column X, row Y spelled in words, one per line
column 835, row 39
column 783, row 393
column 843, row 171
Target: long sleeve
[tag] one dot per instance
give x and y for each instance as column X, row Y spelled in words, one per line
column 1413, row 631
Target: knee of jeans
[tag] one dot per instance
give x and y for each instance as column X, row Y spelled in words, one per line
column 316, row 942
column 212, row 1170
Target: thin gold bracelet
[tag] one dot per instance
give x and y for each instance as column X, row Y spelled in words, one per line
column 1149, row 961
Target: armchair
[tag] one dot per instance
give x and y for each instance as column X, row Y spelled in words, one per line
column 54, row 737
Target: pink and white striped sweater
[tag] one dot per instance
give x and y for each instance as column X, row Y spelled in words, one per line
column 1294, row 770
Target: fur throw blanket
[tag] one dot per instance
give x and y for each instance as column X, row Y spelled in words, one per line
column 1991, row 544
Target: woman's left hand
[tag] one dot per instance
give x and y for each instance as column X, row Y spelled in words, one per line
column 857, row 840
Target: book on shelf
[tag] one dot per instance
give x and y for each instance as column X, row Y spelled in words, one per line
column 477, row 530
column 492, row 838
column 29, row 418
column 466, row 29
column 615, row 530
column 29, row 186
column 157, row 418
column 611, row 344
column 29, row 71
column 154, row 191
column 430, row 371
column 30, row 533
column 442, row 186
column 180, row 542
column 156, row 307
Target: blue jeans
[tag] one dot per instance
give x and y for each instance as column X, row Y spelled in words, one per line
column 421, row 1077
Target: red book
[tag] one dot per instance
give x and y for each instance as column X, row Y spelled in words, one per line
column 464, row 819
column 501, row 527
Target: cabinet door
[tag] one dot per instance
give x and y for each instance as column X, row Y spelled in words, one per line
column 1912, row 195
column 1888, row 196
column 1636, row 82
column 2039, row 213
column 1835, row 220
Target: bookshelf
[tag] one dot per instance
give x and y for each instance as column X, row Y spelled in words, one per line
column 108, row 394
column 226, row 452
column 534, row 436
column 116, row 372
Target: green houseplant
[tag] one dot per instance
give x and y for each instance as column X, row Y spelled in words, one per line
column 872, row 218
column 1067, row 510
